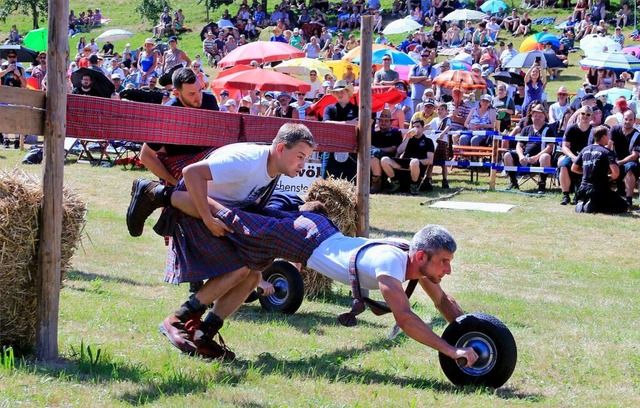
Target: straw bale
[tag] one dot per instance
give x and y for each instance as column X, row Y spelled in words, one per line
column 339, row 196
column 20, row 204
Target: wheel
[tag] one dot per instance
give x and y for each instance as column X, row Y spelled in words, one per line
column 491, row 340
column 289, row 288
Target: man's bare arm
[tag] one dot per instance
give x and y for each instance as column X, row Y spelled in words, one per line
column 446, row 305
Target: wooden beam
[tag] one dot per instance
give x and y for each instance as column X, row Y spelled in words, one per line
column 52, row 178
column 21, row 120
column 22, row 96
column 364, row 124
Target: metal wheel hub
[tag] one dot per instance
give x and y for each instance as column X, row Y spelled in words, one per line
column 281, row 286
column 484, row 347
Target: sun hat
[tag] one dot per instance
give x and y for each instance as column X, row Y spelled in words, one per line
column 285, row 94
column 230, row 102
column 247, row 99
column 341, row 85
column 537, row 108
column 385, row 114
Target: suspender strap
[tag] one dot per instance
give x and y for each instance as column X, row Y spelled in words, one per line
column 358, row 305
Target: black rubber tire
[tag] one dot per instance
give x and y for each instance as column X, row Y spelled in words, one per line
column 493, row 342
column 289, row 288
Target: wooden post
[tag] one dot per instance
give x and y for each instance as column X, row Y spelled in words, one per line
column 494, row 159
column 52, row 177
column 364, row 127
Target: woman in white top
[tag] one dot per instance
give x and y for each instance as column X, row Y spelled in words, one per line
column 482, row 117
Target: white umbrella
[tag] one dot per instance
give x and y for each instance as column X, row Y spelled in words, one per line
column 594, row 44
column 225, row 24
column 614, row 93
column 464, row 14
column 400, row 26
column 114, row 35
column 464, row 57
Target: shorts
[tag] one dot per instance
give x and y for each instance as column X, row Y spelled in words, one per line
column 629, row 167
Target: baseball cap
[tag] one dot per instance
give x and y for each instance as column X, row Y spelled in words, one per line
column 93, row 59
column 173, row 38
column 429, row 101
column 538, row 108
column 115, row 76
column 230, row 102
column 225, row 93
column 588, row 97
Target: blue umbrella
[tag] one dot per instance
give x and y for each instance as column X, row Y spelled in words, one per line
column 616, row 61
column 494, row 6
column 397, row 57
column 527, row 59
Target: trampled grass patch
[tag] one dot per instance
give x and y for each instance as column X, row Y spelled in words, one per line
column 565, row 284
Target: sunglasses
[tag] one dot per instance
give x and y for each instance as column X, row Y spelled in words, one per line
column 11, row 56
column 585, row 114
column 425, row 56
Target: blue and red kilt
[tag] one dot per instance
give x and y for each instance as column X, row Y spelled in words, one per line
column 175, row 164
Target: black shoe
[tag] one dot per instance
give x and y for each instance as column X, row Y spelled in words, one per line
column 16, row 144
column 427, row 186
column 513, row 186
column 445, row 184
column 565, row 200
column 574, row 201
column 542, row 187
column 393, row 186
column 414, row 189
column 146, row 197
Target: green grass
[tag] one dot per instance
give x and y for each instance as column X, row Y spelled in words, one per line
column 565, row 284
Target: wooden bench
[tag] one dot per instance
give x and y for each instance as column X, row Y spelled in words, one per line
column 475, row 154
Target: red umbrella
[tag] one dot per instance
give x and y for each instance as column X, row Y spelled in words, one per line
column 381, row 95
column 260, row 51
column 233, row 70
column 464, row 80
column 261, row 79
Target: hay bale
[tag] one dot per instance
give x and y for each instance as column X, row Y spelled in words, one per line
column 20, row 204
column 339, row 196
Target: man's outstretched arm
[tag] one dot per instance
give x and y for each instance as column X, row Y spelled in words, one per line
column 446, row 305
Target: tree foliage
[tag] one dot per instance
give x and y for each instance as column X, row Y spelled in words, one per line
column 37, row 9
column 151, row 9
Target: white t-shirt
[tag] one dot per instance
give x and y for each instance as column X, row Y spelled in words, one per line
column 239, row 174
column 315, row 88
column 332, row 257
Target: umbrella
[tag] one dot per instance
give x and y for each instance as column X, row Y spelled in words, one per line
column 339, row 67
column 99, row 81
column 260, row 51
column 397, row 57
column 380, row 95
column 302, row 67
column 460, row 79
column 633, row 50
column 209, row 27
column 537, row 41
column 527, row 59
column 464, row 14
column 37, row 39
column 23, row 53
column 494, row 6
column 225, row 24
column 460, row 65
column 114, row 35
column 463, row 57
column 355, row 53
column 400, row 26
column 594, row 44
column 233, row 70
column 265, row 34
column 617, row 61
column 261, row 79
column 512, row 78
column 614, row 93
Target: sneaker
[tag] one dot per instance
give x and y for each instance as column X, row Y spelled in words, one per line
column 414, row 189
column 445, row 184
column 565, row 200
column 376, row 184
column 146, row 197
column 427, row 186
column 394, row 185
column 176, row 332
column 209, row 348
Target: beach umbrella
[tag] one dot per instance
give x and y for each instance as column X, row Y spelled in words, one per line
column 114, row 35
column 339, row 67
column 208, row 27
column 265, row 34
column 463, row 57
column 397, row 57
column 494, row 6
column 512, row 78
column 527, row 59
column 24, row 54
column 614, row 93
column 594, row 44
column 37, row 39
column 262, row 52
column 537, row 41
column 99, row 81
column 380, row 95
column 262, row 80
column 464, row 14
column 401, row 26
column 617, row 61
column 225, row 24
column 355, row 53
column 460, row 65
column 464, row 80
column 302, row 67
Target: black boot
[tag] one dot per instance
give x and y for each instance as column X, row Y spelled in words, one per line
column 513, row 184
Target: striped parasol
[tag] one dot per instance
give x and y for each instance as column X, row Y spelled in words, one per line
column 464, row 80
column 616, row 61
column 537, row 41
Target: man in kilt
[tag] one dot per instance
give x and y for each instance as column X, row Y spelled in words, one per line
column 236, row 176
column 312, row 239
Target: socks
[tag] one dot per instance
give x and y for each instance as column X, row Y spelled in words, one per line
column 189, row 309
column 167, row 192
